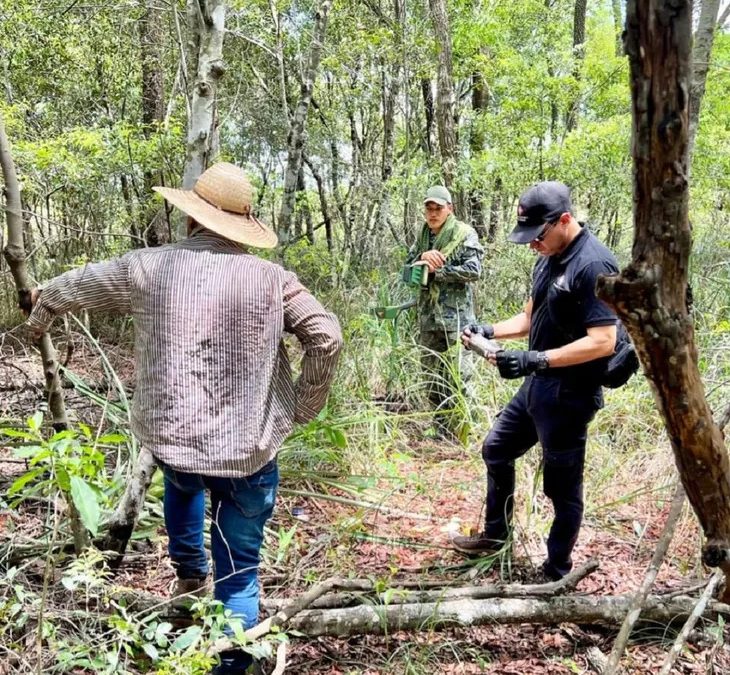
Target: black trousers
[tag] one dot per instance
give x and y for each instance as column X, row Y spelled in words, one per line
column 557, row 414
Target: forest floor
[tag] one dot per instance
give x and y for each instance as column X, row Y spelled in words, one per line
column 427, row 491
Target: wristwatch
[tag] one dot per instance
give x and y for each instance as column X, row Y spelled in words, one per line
column 543, row 363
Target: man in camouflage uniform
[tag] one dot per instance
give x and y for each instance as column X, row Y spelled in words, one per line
column 452, row 252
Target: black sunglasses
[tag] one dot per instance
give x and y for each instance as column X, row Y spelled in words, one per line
column 545, row 230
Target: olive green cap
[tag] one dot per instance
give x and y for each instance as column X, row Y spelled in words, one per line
column 438, row 194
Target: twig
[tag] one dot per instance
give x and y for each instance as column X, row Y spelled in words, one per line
column 691, row 621
column 282, row 616
column 725, row 419
column 280, row 659
column 640, row 598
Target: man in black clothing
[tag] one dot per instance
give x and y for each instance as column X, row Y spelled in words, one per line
column 571, row 334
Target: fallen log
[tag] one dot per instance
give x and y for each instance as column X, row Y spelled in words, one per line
column 606, row 611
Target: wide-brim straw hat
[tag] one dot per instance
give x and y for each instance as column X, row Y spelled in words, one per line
column 221, row 202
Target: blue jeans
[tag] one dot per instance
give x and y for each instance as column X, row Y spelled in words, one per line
column 239, row 509
column 557, row 414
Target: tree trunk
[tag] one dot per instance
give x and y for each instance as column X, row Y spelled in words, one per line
column 297, row 132
column 703, row 39
column 446, row 98
column 479, row 101
column 429, row 114
column 151, row 32
column 618, row 26
column 579, row 40
column 276, row 18
column 323, row 205
column 724, row 17
column 15, row 256
column 650, row 295
column 206, row 20
column 390, row 89
column 495, row 210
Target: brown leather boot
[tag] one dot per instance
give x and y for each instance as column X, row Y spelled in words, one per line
column 185, row 591
column 478, row 545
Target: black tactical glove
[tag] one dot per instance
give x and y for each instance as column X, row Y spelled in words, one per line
column 484, row 329
column 514, row 363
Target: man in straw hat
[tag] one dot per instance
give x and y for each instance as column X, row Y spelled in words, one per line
column 214, row 397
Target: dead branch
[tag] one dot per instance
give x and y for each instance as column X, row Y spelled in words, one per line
column 380, row 619
column 283, row 616
column 656, row 562
column 691, row 621
column 395, row 596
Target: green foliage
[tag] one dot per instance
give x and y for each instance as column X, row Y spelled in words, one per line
column 70, row 461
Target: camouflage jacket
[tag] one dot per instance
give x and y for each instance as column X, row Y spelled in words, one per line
column 454, row 308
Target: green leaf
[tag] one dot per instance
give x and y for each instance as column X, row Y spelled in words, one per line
column 59, row 436
column 26, row 478
column 34, row 422
column 189, row 637
column 27, row 451
column 151, row 651
column 338, row 438
column 86, row 502
column 112, row 438
column 62, row 479
column 18, row 433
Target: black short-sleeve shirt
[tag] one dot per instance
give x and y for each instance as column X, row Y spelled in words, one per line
column 564, row 302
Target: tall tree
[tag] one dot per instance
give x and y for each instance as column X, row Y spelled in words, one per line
column 703, row 39
column 429, row 114
column 446, row 98
column 151, row 34
column 206, row 23
column 579, row 39
column 479, row 99
column 297, row 128
column 618, row 25
column 651, row 294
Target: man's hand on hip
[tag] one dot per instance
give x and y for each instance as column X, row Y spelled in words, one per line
column 434, row 258
column 513, row 363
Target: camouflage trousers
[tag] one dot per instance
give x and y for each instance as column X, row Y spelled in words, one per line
column 447, row 368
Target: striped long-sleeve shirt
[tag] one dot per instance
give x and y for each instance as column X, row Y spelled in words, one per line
column 214, row 392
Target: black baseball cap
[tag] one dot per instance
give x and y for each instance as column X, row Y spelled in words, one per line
column 542, row 203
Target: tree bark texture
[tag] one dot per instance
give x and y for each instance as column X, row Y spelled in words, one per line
column 650, row 295
column 297, row 129
column 703, row 39
column 207, row 26
column 445, row 96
